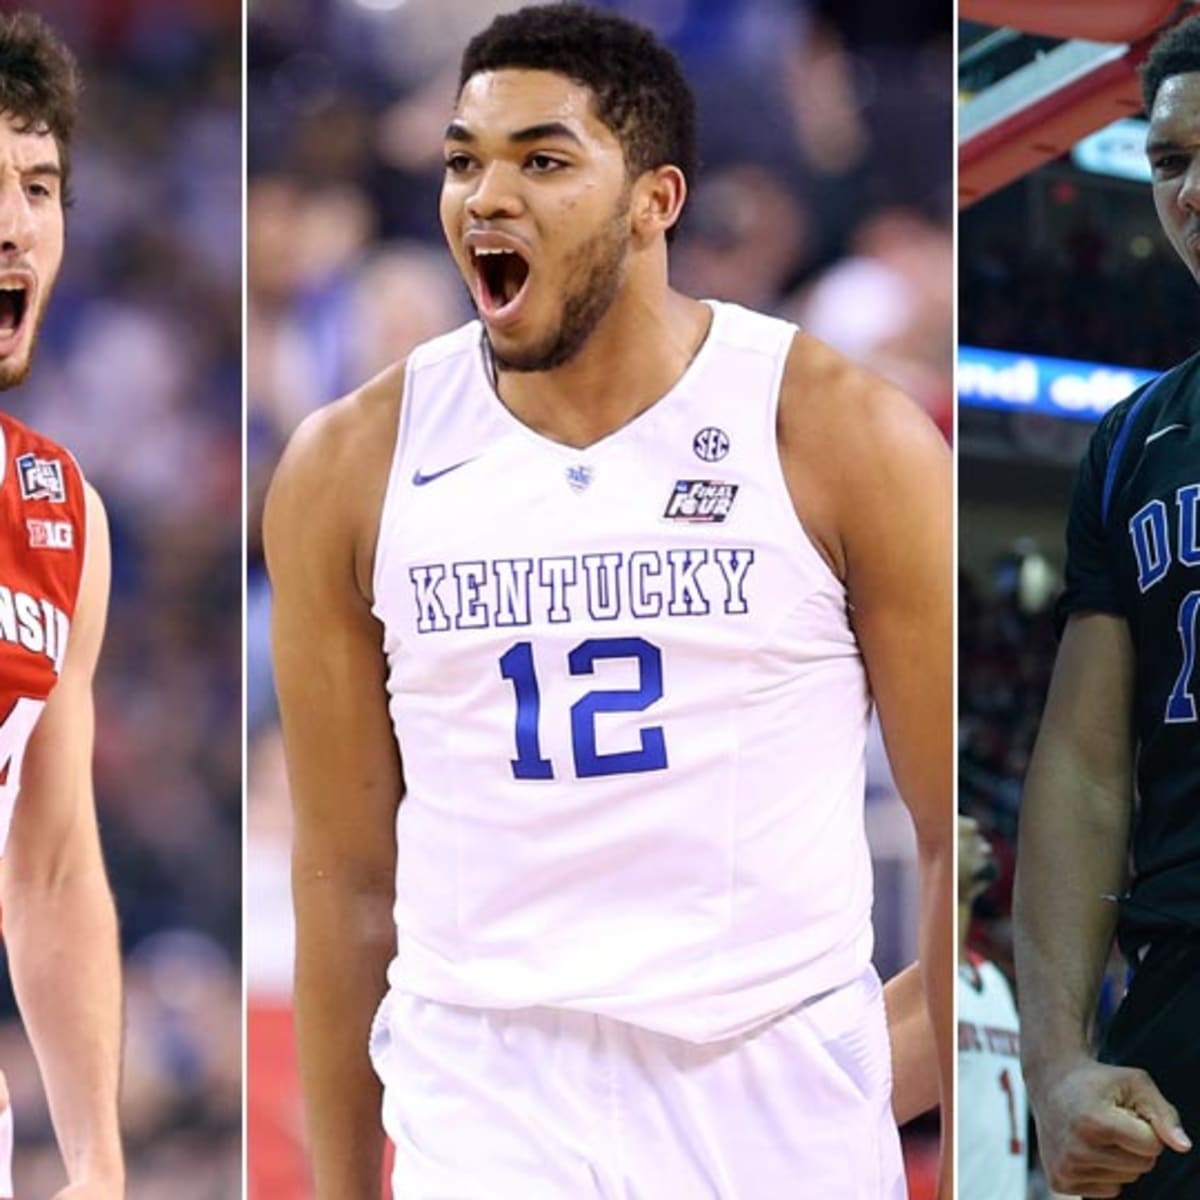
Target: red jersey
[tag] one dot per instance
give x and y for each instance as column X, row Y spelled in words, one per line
column 43, row 524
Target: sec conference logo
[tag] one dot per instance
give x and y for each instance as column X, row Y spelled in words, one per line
column 711, row 444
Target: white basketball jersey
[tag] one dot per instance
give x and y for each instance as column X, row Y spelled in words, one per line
column 993, row 1154
column 630, row 707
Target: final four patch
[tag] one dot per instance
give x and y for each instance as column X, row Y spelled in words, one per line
column 41, row 478
column 700, row 501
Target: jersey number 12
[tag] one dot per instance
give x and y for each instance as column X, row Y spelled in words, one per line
column 517, row 666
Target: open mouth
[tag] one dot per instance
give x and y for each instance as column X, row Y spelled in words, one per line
column 502, row 276
column 13, row 301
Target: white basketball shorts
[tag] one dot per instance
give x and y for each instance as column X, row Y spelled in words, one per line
column 551, row 1104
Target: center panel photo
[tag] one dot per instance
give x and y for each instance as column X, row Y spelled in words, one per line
column 599, row 823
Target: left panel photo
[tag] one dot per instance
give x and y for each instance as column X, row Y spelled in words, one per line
column 120, row 599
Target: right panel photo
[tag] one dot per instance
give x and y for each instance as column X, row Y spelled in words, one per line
column 1079, row 601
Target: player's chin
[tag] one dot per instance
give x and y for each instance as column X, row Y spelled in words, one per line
column 523, row 347
column 14, row 368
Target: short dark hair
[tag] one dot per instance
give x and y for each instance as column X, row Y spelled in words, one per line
column 39, row 83
column 639, row 87
column 1177, row 52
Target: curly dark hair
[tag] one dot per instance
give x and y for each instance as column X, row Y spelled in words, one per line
column 39, row 83
column 1175, row 53
column 639, row 88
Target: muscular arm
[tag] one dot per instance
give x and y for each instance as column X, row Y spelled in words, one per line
column 59, row 921
column 871, row 478
column 1075, row 819
column 343, row 770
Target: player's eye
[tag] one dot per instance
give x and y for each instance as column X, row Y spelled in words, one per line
column 1168, row 164
column 457, row 163
column 544, row 163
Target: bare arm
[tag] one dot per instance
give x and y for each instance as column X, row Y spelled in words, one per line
column 915, row 1075
column 59, row 921
column 871, row 478
column 1075, row 819
column 343, row 769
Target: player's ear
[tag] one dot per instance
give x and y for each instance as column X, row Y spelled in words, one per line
column 657, row 201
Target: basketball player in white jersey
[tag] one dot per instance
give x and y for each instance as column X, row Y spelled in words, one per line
column 993, row 1151
column 605, row 585
column 58, row 917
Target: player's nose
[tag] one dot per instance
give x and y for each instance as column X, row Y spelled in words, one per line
column 1189, row 190
column 495, row 194
column 17, row 227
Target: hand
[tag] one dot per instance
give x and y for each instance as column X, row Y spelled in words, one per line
column 1100, row 1127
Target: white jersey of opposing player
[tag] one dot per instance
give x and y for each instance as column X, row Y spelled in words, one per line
column 992, row 1111
column 630, row 707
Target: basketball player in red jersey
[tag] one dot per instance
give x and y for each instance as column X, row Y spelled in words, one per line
column 59, row 920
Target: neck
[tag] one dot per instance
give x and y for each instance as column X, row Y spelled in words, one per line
column 964, row 927
column 634, row 356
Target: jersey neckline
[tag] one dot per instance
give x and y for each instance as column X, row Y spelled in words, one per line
column 681, row 385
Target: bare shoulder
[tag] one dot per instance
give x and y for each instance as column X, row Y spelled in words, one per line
column 96, row 544
column 327, row 493
column 91, row 605
column 852, row 446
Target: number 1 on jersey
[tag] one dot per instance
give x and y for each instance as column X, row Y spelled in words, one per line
column 517, row 666
column 1181, row 705
column 1015, row 1144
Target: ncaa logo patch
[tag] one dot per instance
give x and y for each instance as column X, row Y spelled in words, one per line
column 701, row 501
column 711, row 444
column 579, row 477
column 41, row 478
column 50, row 535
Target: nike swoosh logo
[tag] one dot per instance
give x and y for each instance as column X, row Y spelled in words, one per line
column 1165, row 429
column 420, row 480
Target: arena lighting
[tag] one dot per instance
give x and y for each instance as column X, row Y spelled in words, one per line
column 1118, row 150
column 1055, row 387
column 381, row 6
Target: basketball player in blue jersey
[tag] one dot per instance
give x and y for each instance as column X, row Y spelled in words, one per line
column 59, row 923
column 605, row 585
column 1116, row 769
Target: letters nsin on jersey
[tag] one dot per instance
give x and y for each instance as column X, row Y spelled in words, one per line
column 36, row 625
column 605, row 586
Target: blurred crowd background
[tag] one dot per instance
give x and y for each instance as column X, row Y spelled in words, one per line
column 138, row 372
column 1068, row 261
column 825, row 196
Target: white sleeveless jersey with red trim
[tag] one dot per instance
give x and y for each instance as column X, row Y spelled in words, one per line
column 41, row 561
column 993, row 1118
column 630, row 706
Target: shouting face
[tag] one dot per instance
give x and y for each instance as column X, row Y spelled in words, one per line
column 31, row 241
column 535, row 208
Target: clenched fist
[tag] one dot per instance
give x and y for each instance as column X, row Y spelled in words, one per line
column 1101, row 1127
